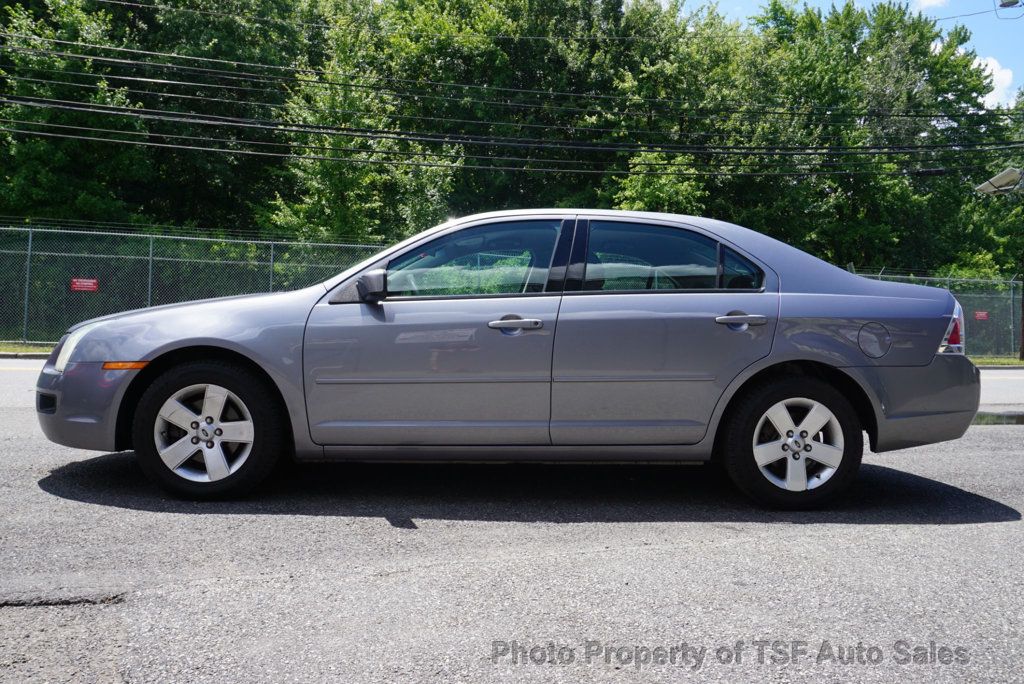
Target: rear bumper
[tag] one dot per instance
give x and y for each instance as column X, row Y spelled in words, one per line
column 78, row 408
column 922, row 404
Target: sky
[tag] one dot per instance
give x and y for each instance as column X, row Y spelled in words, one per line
column 997, row 35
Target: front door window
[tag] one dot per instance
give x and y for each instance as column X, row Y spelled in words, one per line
column 494, row 259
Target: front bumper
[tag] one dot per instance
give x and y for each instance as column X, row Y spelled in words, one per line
column 78, row 408
column 923, row 404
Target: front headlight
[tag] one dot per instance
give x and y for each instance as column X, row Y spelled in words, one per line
column 69, row 346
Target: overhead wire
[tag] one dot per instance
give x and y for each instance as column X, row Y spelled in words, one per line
column 894, row 172
column 466, row 139
column 565, row 127
column 697, row 111
column 291, row 145
column 458, row 139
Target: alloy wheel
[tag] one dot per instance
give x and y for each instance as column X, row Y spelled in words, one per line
column 204, row 433
column 798, row 444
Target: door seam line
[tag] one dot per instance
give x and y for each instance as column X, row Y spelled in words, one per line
column 554, row 333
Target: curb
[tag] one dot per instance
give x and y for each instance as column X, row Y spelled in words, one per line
column 25, row 355
column 1001, row 367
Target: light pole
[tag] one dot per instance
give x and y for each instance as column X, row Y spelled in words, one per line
column 1003, row 183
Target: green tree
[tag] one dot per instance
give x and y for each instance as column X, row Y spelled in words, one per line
column 55, row 176
column 642, row 104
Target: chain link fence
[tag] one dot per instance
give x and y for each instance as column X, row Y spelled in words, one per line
column 992, row 310
column 51, row 278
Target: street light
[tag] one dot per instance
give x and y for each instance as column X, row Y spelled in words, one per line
column 1007, row 4
column 1004, row 182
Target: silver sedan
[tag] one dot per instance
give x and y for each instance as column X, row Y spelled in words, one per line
column 558, row 335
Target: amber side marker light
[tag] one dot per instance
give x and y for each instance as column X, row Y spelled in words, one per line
column 124, row 365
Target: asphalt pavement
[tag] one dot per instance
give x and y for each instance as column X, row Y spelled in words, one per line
column 1002, row 390
column 477, row 573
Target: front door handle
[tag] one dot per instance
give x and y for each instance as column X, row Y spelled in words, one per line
column 742, row 319
column 516, row 324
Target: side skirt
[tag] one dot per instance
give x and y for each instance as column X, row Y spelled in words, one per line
column 668, row 453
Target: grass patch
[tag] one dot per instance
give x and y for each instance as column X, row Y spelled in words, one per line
column 22, row 347
column 996, row 361
column 984, row 418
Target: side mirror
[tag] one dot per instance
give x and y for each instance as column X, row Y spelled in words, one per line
column 372, row 286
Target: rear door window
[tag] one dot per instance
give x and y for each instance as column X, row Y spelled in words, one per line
column 627, row 257
column 739, row 273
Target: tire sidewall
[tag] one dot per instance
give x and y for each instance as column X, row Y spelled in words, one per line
column 252, row 391
column 738, row 456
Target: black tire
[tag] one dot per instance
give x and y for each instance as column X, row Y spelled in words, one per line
column 269, row 439
column 737, row 451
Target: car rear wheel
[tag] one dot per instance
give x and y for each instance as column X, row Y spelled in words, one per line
column 207, row 430
column 794, row 443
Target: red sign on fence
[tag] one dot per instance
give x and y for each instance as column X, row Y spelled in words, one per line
column 85, row 284
column 981, row 315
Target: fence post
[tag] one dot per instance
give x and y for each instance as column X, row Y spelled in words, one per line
column 1011, row 302
column 271, row 267
column 1019, row 328
column 149, row 283
column 28, row 275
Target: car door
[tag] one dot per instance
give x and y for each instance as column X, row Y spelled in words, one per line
column 459, row 351
column 655, row 321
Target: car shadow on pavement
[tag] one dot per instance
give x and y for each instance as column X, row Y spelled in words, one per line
column 404, row 492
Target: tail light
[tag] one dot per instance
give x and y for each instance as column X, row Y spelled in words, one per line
column 953, row 342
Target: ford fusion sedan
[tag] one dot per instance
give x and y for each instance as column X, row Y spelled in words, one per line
column 553, row 335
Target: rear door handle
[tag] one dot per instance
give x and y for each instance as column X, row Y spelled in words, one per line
column 516, row 324
column 742, row 319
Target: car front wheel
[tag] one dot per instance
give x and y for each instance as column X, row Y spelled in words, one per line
column 794, row 443
column 207, row 430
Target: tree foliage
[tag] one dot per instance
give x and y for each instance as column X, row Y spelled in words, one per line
column 593, row 90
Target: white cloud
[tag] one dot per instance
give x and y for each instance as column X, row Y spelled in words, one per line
column 926, row 4
column 1002, row 79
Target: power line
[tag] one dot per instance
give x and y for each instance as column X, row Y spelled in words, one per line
column 267, row 78
column 125, row 63
column 569, row 127
column 407, row 153
column 279, row 126
column 161, row 94
column 293, row 145
column 272, row 78
column 335, row 110
column 394, row 115
column 969, row 14
column 903, row 172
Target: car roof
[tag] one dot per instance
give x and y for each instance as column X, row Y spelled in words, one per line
column 614, row 213
column 728, row 231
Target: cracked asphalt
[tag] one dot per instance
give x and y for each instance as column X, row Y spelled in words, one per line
column 477, row 573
